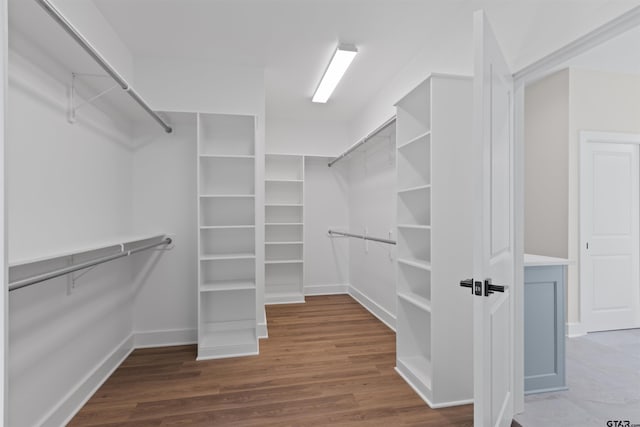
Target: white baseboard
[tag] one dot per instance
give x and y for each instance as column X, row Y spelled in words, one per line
column 575, row 329
column 165, row 338
column 383, row 315
column 69, row 406
column 326, row 290
column 263, row 331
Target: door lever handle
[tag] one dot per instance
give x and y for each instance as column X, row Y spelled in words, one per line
column 490, row 288
column 467, row 283
column 476, row 287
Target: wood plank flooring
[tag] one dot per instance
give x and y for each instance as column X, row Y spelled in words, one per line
column 327, row 362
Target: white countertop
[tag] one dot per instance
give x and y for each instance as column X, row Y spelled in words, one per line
column 531, row 260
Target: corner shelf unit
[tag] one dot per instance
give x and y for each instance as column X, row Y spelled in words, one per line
column 226, row 236
column 433, row 329
column 284, row 218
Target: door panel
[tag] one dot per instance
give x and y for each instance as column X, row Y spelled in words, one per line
column 609, row 270
column 493, row 229
column 500, row 165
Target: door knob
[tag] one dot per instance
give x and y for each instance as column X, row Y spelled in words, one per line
column 490, row 288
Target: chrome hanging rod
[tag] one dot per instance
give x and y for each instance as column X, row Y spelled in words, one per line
column 360, row 236
column 362, row 141
column 84, row 43
column 22, row 283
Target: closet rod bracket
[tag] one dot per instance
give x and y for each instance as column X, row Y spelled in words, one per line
column 73, row 107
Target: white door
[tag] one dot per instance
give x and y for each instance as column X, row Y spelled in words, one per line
column 493, row 230
column 609, row 256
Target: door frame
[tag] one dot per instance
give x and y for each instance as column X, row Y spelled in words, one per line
column 588, row 137
column 528, row 75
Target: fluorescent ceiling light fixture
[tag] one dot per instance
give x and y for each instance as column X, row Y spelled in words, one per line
column 340, row 61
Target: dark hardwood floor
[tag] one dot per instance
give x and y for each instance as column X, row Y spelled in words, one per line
column 327, row 362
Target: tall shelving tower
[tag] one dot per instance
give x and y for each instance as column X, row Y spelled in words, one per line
column 226, row 236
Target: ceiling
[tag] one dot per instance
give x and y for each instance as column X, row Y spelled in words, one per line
column 293, row 39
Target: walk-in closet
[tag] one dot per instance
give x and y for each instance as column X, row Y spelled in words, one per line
column 256, row 213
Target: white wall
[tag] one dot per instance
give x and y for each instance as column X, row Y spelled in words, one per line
column 326, row 260
column 453, row 56
column 372, row 206
column 167, row 301
column 599, row 101
column 546, row 160
column 314, row 138
column 67, row 186
column 574, row 100
column 90, row 22
column 165, row 201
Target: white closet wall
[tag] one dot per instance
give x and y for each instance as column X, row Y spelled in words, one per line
column 372, row 189
column 326, row 260
column 306, row 137
column 68, row 185
column 164, row 198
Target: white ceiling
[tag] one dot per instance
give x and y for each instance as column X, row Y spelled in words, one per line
column 293, row 39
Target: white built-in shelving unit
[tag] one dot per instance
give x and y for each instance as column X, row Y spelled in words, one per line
column 433, row 329
column 284, row 219
column 226, row 236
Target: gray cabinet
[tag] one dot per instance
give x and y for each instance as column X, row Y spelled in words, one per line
column 544, row 330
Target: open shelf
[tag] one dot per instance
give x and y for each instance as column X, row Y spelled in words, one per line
column 285, row 261
column 414, row 207
column 418, row 301
column 418, row 370
column 227, row 285
column 283, row 232
column 415, row 227
column 413, row 114
column 227, row 325
column 227, row 227
column 227, row 175
column 280, row 167
column 412, row 189
column 283, row 214
column 227, row 196
column 227, row 256
column 414, row 244
column 227, row 212
column 227, row 156
column 414, row 341
column 282, row 252
column 283, row 192
column 227, row 339
column 226, row 241
column 418, row 139
column 284, row 243
column 228, row 270
column 295, row 181
column 416, row 263
column 414, row 164
column 413, row 280
column 284, row 282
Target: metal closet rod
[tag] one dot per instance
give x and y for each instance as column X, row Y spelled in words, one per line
column 363, row 237
column 362, row 141
column 61, row 272
column 84, row 43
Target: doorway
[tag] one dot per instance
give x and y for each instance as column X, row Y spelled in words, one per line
column 609, row 255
